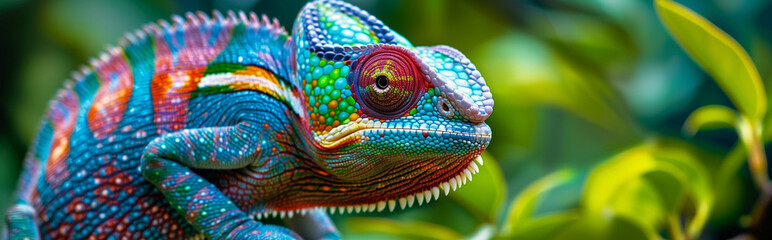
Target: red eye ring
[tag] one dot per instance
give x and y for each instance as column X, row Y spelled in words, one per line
column 388, row 83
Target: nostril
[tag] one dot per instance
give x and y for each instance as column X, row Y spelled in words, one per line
column 444, row 107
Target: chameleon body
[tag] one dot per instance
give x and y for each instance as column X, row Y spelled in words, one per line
column 201, row 127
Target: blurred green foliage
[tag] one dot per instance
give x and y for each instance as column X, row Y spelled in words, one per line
column 598, row 108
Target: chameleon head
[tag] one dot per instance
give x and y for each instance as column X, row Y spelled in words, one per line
column 397, row 119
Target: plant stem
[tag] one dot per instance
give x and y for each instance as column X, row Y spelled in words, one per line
column 674, row 228
column 757, row 159
column 757, row 214
column 757, row 162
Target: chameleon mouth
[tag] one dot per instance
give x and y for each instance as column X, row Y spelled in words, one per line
column 420, row 197
column 355, row 131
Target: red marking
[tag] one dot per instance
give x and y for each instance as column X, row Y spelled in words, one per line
column 426, row 134
column 63, row 116
column 77, row 210
column 175, row 80
column 428, row 84
column 63, row 231
column 320, row 172
column 382, row 134
column 112, row 98
column 294, row 66
column 171, row 94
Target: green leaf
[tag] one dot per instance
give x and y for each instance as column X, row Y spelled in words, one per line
column 605, row 226
column 523, row 205
column 678, row 160
column 668, row 188
column 544, row 227
column 719, row 54
column 590, row 38
column 489, row 182
column 639, row 200
column 724, row 59
column 648, row 183
column 607, row 179
column 404, row 230
column 527, row 71
column 710, row 117
column 729, row 167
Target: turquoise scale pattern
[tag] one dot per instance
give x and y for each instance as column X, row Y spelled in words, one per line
column 199, row 127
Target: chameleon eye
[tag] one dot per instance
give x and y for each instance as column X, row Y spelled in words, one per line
column 389, row 83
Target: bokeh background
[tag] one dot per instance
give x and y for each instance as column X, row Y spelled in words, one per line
column 576, row 84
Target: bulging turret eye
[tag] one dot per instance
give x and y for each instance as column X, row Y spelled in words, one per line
column 388, row 83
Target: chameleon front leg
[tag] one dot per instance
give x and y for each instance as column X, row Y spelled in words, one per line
column 20, row 220
column 314, row 225
column 167, row 164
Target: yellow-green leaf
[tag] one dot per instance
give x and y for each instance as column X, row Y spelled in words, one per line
column 605, row 226
column 710, row 117
column 402, row 230
column 523, row 205
column 543, row 227
column 639, row 200
column 607, row 180
column 694, row 180
column 719, row 55
column 648, row 183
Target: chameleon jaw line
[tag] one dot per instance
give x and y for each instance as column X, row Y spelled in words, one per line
column 404, row 202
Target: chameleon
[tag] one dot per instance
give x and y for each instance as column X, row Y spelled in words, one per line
column 205, row 126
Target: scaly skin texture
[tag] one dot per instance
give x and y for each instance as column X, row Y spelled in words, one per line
column 201, row 127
